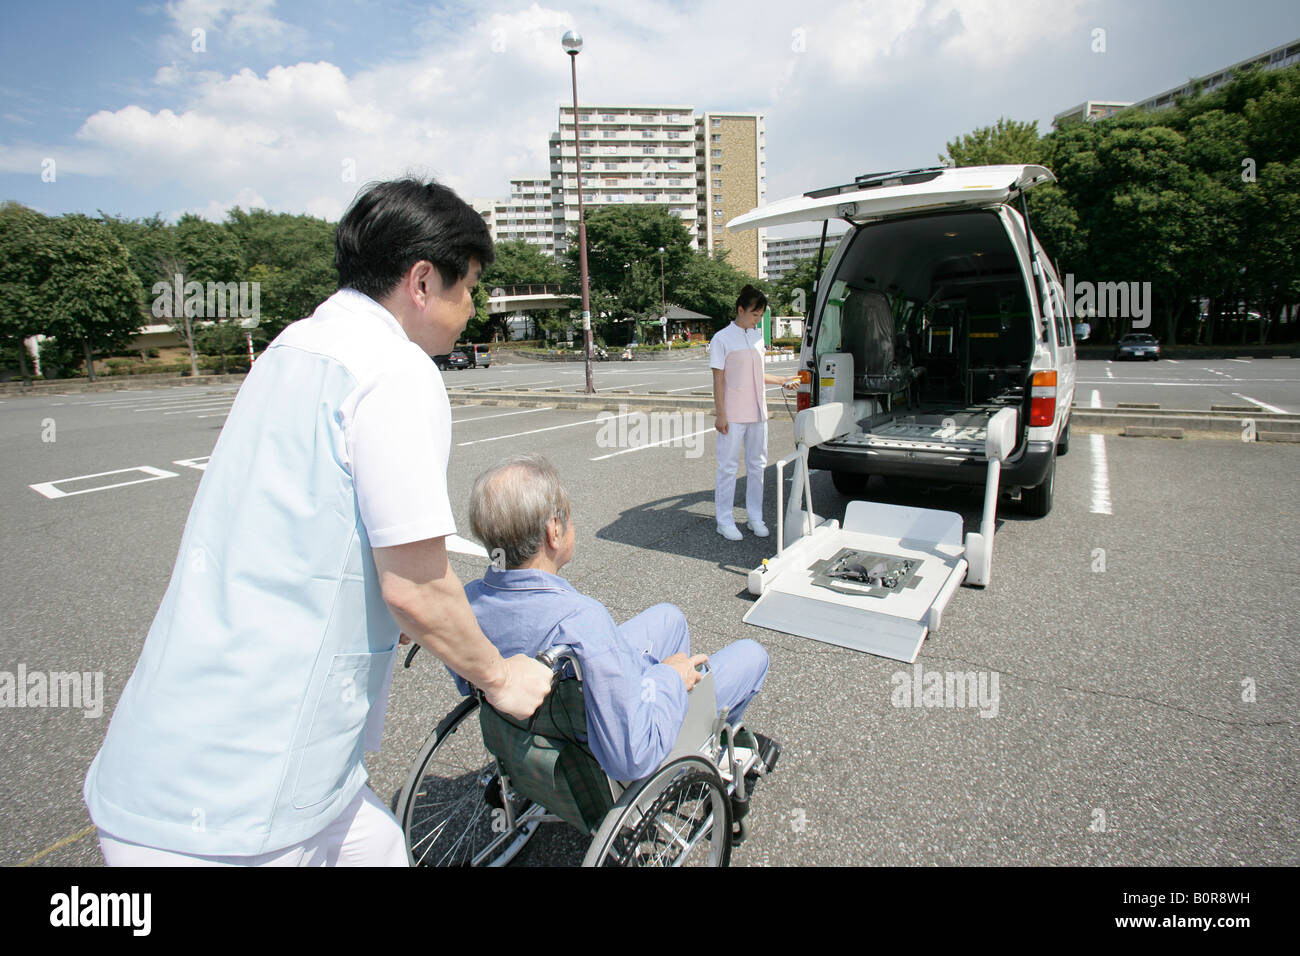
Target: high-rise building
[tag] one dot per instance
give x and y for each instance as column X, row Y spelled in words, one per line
column 526, row 215
column 731, row 176
column 784, row 254
column 629, row 154
column 1278, row 58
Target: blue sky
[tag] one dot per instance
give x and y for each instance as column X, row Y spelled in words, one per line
column 293, row 105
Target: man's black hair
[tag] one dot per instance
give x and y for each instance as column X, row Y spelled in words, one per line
column 393, row 225
column 750, row 298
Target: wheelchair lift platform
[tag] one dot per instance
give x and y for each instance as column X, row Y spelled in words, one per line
column 881, row 582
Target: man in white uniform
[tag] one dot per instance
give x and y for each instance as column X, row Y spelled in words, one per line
column 316, row 538
column 740, row 409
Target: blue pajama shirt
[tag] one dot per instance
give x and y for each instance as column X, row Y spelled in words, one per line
column 635, row 704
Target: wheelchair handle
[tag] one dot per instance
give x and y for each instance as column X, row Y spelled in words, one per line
column 554, row 655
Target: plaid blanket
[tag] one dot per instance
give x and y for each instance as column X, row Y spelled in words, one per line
column 546, row 760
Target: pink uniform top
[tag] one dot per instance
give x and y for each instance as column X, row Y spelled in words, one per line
column 739, row 353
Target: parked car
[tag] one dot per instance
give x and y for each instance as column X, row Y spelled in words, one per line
column 1137, row 345
column 480, row 355
column 928, row 320
column 454, row 359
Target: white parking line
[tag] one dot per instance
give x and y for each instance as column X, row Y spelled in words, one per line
column 192, row 403
column 1100, row 476
column 1264, row 405
column 200, row 408
column 1245, row 361
column 1109, row 373
column 1172, row 361
column 699, row 385
column 459, row 545
column 605, row 418
column 653, row 444
column 1100, row 472
column 633, row 385
column 48, row 489
column 483, row 418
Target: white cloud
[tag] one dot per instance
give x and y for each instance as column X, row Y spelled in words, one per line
column 215, row 210
column 476, row 106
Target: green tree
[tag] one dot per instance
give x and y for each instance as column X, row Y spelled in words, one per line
column 23, row 268
column 623, row 259
column 90, row 294
column 711, row 285
column 1008, row 141
column 296, row 256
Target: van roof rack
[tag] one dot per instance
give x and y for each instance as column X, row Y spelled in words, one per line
column 895, row 177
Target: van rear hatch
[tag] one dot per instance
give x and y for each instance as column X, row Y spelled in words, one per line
column 905, row 192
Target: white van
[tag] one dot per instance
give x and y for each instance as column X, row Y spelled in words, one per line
column 933, row 314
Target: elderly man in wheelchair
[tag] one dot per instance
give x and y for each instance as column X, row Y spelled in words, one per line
column 640, row 744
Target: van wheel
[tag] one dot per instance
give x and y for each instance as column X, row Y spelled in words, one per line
column 1063, row 442
column 1037, row 502
column 850, row 484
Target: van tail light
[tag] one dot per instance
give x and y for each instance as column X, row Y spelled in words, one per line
column 803, row 399
column 1042, row 399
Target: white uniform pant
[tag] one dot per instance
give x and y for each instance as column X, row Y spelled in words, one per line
column 752, row 436
column 364, row 834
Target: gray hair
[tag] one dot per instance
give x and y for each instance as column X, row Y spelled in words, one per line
column 511, row 504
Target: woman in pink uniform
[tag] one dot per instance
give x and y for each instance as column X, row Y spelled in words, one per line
column 740, row 410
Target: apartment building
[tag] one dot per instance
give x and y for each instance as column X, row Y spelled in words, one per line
column 628, row 154
column 731, row 161
column 526, row 215
column 784, row 254
column 1278, row 58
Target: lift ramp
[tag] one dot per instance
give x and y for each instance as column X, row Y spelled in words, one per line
column 882, row 581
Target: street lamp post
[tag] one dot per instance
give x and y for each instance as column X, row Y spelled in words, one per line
column 572, row 43
column 663, row 307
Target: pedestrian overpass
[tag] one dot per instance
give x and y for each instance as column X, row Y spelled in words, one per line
column 529, row 298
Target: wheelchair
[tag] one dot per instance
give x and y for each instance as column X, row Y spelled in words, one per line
column 483, row 783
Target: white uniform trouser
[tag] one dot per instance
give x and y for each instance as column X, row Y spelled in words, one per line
column 364, row 834
column 753, row 437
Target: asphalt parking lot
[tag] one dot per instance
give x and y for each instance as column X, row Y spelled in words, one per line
column 1148, row 677
column 1269, row 384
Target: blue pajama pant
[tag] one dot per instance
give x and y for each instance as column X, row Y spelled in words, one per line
column 738, row 669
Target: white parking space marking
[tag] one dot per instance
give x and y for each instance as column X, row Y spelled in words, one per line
column 633, row 385
column 1172, row 361
column 689, row 387
column 535, row 431
column 48, row 489
column 1109, row 373
column 461, row 545
column 1245, row 361
column 1264, row 405
column 483, row 418
column 653, row 444
column 199, row 408
column 201, row 464
column 191, row 403
column 1100, row 471
column 1100, row 476
column 224, row 414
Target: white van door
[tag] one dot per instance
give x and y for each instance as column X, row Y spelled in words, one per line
column 882, row 195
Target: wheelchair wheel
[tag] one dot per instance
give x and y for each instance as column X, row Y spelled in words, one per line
column 451, row 808
column 679, row 816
